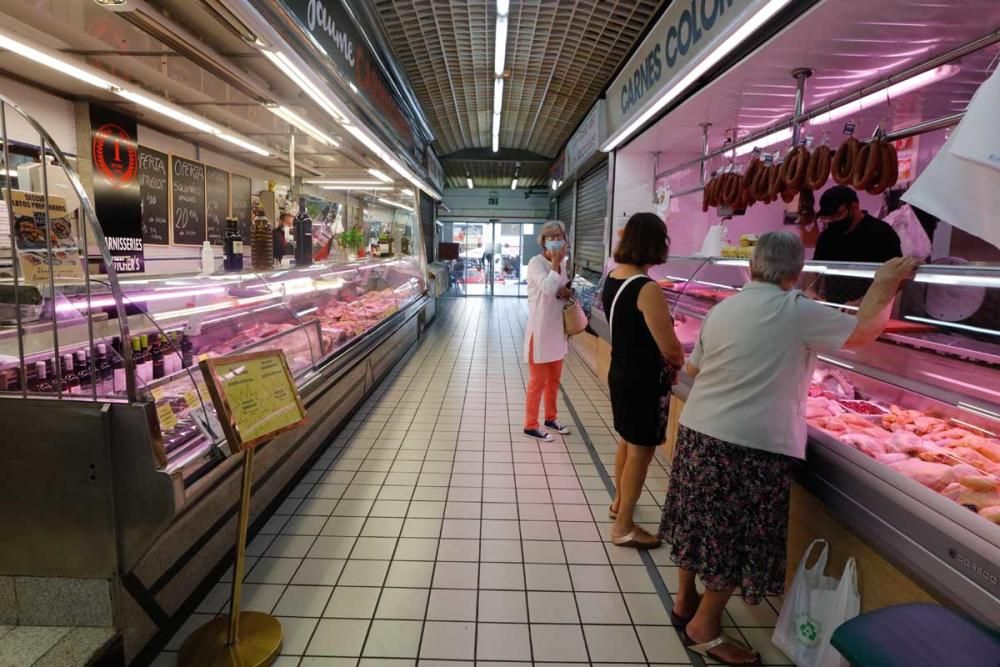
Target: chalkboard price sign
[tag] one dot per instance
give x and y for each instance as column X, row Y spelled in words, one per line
column 241, row 207
column 155, row 196
column 217, row 197
column 188, row 189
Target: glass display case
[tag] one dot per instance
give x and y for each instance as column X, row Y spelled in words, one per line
column 903, row 428
column 312, row 313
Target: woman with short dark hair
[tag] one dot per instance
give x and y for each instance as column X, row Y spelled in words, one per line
column 645, row 353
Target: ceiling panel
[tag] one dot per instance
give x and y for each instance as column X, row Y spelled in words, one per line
column 495, row 173
column 560, row 56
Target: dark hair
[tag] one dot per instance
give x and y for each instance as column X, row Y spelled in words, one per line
column 644, row 241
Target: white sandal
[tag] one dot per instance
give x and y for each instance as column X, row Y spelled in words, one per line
column 633, row 540
column 705, row 649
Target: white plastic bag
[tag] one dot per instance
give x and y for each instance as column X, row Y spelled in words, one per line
column 813, row 609
column 912, row 237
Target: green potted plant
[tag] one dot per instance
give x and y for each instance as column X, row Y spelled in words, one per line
column 353, row 239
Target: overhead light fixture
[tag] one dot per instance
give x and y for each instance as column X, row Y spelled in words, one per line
column 746, row 29
column 468, row 181
column 500, row 48
column 40, row 55
column 396, row 204
column 499, row 65
column 554, row 184
column 379, row 175
column 333, row 181
column 513, row 184
column 298, row 121
column 407, row 191
column 291, row 70
column 497, row 95
column 880, row 97
column 365, row 188
column 767, row 140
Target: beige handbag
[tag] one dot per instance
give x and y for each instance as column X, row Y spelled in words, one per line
column 574, row 319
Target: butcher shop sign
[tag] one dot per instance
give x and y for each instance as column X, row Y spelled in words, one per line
column 687, row 31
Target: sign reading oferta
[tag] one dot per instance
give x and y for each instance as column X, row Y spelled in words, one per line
column 687, row 31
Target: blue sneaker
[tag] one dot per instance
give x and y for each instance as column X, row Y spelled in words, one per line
column 538, row 434
column 556, row 427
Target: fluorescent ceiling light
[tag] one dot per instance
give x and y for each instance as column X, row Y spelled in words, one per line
column 30, row 53
column 468, row 181
column 497, row 97
column 882, row 96
column 242, row 143
column 328, row 181
column 503, row 6
column 161, row 108
column 392, row 203
column 284, row 63
column 407, row 191
column 496, row 143
column 365, row 188
column 500, row 50
column 747, row 27
column 513, row 184
column 766, row 140
column 298, row 121
column 379, row 175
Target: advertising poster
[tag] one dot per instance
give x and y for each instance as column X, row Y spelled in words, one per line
column 27, row 210
column 117, row 196
column 155, row 196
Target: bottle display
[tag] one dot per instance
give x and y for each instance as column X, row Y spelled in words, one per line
column 385, row 244
column 207, row 258
column 233, row 246
column 118, row 382
column 81, row 368
column 187, row 351
column 139, row 359
column 69, row 377
column 156, row 358
column 261, row 244
column 104, row 371
column 302, row 234
column 41, row 382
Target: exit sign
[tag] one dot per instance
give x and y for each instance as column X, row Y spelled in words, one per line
column 494, row 201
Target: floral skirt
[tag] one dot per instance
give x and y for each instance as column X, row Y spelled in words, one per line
column 726, row 515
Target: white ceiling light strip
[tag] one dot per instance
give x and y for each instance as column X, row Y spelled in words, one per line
column 25, row 48
column 298, row 121
column 380, row 175
column 499, row 64
column 335, row 181
column 396, row 204
column 746, row 29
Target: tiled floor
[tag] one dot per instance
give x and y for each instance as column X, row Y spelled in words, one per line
column 432, row 531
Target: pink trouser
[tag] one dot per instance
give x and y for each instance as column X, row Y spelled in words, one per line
column 543, row 382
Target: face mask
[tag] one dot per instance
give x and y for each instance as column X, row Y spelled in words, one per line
column 553, row 245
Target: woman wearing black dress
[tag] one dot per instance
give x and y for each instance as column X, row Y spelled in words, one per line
column 645, row 353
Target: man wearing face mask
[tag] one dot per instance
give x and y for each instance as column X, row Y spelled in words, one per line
column 851, row 235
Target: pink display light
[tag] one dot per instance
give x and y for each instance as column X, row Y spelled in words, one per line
column 141, row 297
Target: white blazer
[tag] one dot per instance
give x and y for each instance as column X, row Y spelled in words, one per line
column 545, row 320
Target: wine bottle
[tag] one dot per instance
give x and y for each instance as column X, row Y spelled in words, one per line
column 41, row 382
column 68, row 375
column 156, row 359
column 105, row 383
column 82, row 369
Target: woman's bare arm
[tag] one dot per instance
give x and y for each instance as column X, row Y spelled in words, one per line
column 654, row 310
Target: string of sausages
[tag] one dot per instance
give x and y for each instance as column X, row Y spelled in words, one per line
column 872, row 167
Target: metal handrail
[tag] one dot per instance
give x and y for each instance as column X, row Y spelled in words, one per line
column 89, row 214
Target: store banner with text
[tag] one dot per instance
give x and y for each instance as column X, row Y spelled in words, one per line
column 117, row 196
column 686, row 31
column 46, row 245
column 329, row 24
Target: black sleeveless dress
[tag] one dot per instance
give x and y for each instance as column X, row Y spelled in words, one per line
column 639, row 378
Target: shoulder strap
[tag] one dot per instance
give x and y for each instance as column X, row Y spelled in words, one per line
column 611, row 315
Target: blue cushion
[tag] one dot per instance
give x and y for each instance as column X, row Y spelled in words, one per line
column 914, row 635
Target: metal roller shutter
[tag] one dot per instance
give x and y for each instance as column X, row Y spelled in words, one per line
column 566, row 208
column 427, row 225
column 591, row 214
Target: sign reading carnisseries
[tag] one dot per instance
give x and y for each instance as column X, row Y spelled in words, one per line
column 687, row 30
column 588, row 137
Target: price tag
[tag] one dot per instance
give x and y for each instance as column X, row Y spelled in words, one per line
column 849, row 128
column 755, row 153
column 157, row 393
column 165, row 413
column 191, row 399
column 768, row 159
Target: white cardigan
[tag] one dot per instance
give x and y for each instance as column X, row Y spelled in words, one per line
column 545, row 320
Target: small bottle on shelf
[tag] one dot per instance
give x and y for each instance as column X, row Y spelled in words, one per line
column 207, row 258
column 187, row 351
column 68, row 375
column 104, row 371
column 82, row 369
column 40, row 384
column 261, row 243
column 233, row 246
column 156, row 359
column 139, row 359
column 118, row 382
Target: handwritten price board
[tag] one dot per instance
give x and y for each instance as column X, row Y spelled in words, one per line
column 187, row 187
column 217, row 203
column 155, row 195
column 254, row 395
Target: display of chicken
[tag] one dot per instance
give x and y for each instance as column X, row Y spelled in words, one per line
column 957, row 462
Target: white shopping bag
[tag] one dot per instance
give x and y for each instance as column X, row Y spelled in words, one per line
column 912, row 238
column 978, row 136
column 813, row 609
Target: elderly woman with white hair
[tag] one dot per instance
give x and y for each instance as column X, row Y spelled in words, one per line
column 726, row 511
column 544, row 336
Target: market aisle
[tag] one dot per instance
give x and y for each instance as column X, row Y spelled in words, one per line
column 433, row 530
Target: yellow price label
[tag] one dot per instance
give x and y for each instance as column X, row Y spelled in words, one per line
column 165, row 413
column 157, row 393
column 260, row 393
column 191, row 399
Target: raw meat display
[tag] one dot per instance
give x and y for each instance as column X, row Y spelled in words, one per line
column 957, row 462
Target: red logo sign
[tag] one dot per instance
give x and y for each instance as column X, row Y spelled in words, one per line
column 115, row 155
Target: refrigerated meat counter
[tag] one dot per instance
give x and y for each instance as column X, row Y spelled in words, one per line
column 903, row 442
column 123, row 480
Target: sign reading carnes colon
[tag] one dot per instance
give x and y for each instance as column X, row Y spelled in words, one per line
column 684, row 32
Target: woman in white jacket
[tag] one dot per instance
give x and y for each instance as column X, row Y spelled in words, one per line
column 544, row 337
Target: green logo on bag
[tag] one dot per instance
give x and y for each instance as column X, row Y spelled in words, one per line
column 807, row 630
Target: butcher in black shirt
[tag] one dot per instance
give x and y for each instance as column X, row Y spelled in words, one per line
column 851, row 235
